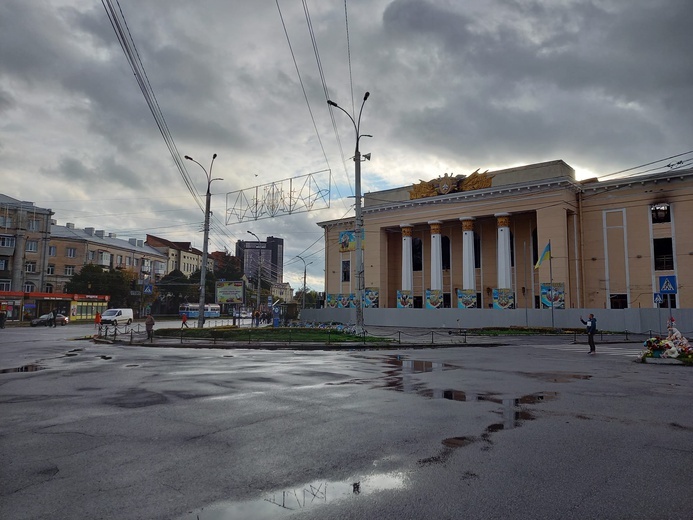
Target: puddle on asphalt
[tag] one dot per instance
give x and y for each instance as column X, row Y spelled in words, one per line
column 105, row 357
column 25, row 368
column 281, row 503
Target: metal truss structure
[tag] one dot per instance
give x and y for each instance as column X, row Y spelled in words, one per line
column 285, row 197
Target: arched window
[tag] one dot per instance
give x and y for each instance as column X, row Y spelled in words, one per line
column 417, row 254
column 49, row 287
column 29, row 287
column 445, row 246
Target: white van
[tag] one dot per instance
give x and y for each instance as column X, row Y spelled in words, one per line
column 115, row 316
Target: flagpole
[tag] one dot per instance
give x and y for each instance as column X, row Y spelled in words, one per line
column 553, row 296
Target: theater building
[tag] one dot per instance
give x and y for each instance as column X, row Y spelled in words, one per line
column 474, row 241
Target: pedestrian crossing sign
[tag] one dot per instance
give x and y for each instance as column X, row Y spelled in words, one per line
column 667, row 284
column 658, row 298
column 147, row 289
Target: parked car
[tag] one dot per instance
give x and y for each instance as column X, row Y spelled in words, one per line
column 43, row 320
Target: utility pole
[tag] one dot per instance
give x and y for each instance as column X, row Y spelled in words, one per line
column 203, row 270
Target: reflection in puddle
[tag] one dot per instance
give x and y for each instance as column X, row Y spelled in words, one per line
column 280, row 503
column 25, row 368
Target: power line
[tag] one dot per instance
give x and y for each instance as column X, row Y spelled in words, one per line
column 324, row 86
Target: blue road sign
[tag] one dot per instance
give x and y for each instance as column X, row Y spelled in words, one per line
column 667, row 284
column 147, row 289
column 658, row 298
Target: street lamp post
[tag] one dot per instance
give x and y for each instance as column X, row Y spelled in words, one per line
column 303, row 306
column 203, row 271
column 259, row 270
column 358, row 228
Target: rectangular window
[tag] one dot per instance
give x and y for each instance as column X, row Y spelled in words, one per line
column 7, row 241
column 31, row 246
column 346, row 270
column 52, row 251
column 618, row 301
column 5, row 285
column 3, row 264
column 69, row 270
column 71, row 252
column 128, row 260
column 663, row 254
column 669, row 299
column 661, row 213
column 91, row 255
column 50, row 269
column 33, row 225
column 30, row 267
column 5, row 222
column 417, row 254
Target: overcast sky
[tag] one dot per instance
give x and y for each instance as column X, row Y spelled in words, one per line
column 455, row 85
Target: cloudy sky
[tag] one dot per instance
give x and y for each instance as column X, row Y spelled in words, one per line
column 455, row 85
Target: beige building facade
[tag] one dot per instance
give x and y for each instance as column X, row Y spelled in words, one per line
column 474, row 241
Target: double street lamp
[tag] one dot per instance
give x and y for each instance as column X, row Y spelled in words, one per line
column 358, row 228
column 203, row 271
column 303, row 306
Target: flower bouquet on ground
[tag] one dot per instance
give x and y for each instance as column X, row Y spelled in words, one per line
column 657, row 347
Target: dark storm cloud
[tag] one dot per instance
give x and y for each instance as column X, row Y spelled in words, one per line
column 548, row 80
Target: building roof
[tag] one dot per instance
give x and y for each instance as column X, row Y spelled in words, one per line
column 99, row 237
column 7, row 201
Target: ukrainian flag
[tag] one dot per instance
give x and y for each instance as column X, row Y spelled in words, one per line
column 545, row 255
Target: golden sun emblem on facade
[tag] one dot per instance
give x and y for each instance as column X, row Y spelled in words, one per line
column 450, row 184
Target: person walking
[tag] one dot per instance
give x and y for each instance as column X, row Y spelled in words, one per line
column 149, row 326
column 97, row 321
column 591, row 330
column 3, row 318
column 54, row 318
column 184, row 319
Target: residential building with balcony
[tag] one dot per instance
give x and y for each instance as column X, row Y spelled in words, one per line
column 71, row 248
column 24, row 234
column 179, row 255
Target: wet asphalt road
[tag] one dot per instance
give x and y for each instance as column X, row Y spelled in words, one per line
column 536, row 429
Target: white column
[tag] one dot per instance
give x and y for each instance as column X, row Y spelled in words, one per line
column 468, row 269
column 436, row 256
column 407, row 258
column 504, row 273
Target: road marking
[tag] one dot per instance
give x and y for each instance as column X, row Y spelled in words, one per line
column 601, row 350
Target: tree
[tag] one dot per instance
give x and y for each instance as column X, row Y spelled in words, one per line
column 311, row 298
column 93, row 279
column 227, row 266
column 174, row 288
column 210, row 285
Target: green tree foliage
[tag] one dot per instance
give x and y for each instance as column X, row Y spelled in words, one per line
column 93, row 279
column 175, row 288
column 210, row 285
column 311, row 298
column 227, row 267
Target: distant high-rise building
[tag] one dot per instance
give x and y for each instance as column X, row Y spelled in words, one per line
column 267, row 256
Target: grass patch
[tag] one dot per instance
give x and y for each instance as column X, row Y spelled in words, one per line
column 268, row 334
